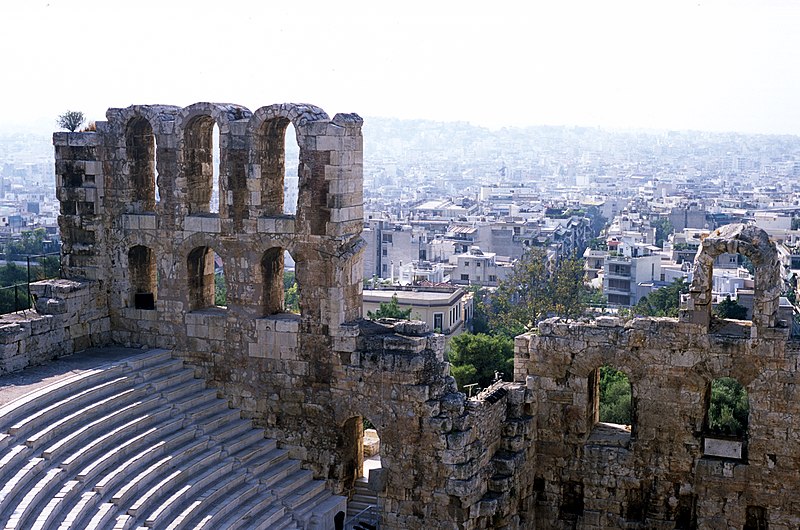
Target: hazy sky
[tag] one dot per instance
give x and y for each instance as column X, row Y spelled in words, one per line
column 722, row 65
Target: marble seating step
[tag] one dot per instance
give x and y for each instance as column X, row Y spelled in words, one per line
column 141, row 443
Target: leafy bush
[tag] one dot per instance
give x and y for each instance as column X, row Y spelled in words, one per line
column 729, row 408
column 615, row 396
column 475, row 358
column 390, row 309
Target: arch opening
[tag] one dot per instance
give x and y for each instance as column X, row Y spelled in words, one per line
column 281, row 289
column 213, row 206
column 362, row 454
column 752, row 243
column 612, row 403
column 279, row 178
column 143, row 277
column 727, row 418
column 140, row 147
column 199, row 164
column 207, row 286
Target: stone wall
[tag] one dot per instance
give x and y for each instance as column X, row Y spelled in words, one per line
column 68, row 316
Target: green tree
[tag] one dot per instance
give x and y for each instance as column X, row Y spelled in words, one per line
column 533, row 292
column 730, row 309
column 663, row 229
column 663, row 302
column 390, row 309
column 70, row 120
column 291, row 293
column 729, row 408
column 30, row 242
column 597, row 221
column 220, row 290
column 475, row 358
column 570, row 294
column 480, row 310
column 615, row 396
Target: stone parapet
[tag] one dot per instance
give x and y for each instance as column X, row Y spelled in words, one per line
column 69, row 316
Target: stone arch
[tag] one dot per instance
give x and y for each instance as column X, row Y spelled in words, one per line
column 350, row 445
column 272, row 280
column 200, row 277
column 752, row 242
column 143, row 130
column 585, row 369
column 267, row 132
column 142, row 276
column 195, row 125
column 140, row 148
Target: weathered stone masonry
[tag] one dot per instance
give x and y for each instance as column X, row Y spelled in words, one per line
column 527, row 454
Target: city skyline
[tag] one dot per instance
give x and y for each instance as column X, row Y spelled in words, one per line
column 717, row 66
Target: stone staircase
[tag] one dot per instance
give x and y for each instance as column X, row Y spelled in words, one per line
column 141, row 443
column 362, row 509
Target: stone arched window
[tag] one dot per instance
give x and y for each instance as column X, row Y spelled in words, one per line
column 279, row 187
column 140, row 147
column 142, row 274
column 272, row 277
column 205, row 274
column 198, row 161
column 281, row 289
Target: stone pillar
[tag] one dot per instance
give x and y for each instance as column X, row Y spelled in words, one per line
column 80, row 189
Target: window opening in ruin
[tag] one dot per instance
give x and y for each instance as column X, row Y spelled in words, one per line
column 279, row 157
column 156, row 189
column 207, row 286
column 615, row 397
column 281, row 290
column 291, row 181
column 755, row 518
column 140, row 147
column 571, row 506
column 360, row 445
column 143, row 279
column 726, row 421
column 220, row 285
column 198, row 161
column 215, row 157
column 291, row 289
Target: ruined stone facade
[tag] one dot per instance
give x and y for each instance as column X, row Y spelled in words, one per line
column 527, row 454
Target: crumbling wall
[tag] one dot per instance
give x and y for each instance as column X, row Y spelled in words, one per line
column 68, row 316
column 667, row 470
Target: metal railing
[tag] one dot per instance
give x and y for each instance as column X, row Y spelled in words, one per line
column 368, row 515
column 22, row 290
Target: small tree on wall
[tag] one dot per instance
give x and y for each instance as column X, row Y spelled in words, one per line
column 390, row 309
column 70, row 120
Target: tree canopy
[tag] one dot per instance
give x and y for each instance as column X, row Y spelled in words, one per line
column 615, row 396
column 476, row 358
column 730, row 309
column 663, row 230
column 537, row 289
column 729, row 408
column 663, row 302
